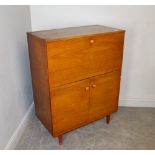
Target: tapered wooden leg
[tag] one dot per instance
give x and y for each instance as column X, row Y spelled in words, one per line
column 108, row 119
column 60, row 139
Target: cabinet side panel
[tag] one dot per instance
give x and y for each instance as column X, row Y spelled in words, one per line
column 40, row 84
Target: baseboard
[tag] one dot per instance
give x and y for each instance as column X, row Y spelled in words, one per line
column 19, row 131
column 137, row 102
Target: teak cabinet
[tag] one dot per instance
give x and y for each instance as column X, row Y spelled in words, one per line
column 75, row 75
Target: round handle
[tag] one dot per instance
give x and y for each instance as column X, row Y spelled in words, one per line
column 87, row 88
column 91, row 41
column 93, row 85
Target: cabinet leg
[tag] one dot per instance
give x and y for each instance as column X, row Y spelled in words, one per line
column 60, row 139
column 108, row 119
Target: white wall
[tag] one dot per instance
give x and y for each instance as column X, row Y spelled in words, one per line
column 15, row 81
column 138, row 86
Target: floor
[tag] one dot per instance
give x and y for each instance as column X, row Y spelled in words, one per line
column 130, row 128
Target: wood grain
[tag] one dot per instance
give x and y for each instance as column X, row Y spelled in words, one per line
column 104, row 97
column 70, row 106
column 40, row 83
column 79, row 58
column 73, row 32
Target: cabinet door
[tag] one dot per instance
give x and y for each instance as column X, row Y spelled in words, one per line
column 104, row 92
column 69, row 58
column 70, row 106
column 107, row 52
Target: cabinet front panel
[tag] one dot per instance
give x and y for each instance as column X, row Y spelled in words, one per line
column 106, row 53
column 68, row 61
column 74, row 59
column 70, row 106
column 104, row 94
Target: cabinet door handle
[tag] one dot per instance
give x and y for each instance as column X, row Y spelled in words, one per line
column 87, row 88
column 91, row 41
column 93, row 86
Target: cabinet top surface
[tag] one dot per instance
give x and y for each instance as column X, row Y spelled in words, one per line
column 72, row 32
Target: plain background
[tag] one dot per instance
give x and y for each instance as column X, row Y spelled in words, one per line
column 15, row 79
column 137, row 86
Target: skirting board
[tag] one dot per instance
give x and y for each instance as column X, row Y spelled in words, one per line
column 137, row 102
column 19, row 131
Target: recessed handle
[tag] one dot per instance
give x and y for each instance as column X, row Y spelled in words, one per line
column 93, row 86
column 86, row 88
column 91, row 41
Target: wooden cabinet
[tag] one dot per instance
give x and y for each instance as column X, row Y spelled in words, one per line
column 75, row 75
